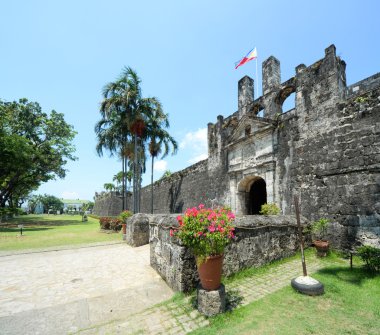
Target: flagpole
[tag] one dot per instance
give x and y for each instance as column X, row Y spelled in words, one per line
column 257, row 81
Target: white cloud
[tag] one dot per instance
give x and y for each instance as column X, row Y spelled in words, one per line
column 160, row 166
column 69, row 195
column 198, row 158
column 196, row 143
column 197, row 138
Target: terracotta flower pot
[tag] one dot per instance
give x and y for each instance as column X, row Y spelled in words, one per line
column 210, row 272
column 322, row 247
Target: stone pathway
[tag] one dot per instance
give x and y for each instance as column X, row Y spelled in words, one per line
column 180, row 317
column 63, row 291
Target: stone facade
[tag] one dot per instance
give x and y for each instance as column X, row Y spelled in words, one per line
column 259, row 240
column 326, row 150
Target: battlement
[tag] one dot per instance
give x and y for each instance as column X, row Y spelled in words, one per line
column 323, row 82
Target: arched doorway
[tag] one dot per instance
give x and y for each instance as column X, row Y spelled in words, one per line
column 257, row 196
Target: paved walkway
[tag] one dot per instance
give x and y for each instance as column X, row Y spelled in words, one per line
column 61, row 292
column 180, row 317
column 108, row 289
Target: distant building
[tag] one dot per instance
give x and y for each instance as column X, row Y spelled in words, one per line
column 39, row 208
column 73, row 204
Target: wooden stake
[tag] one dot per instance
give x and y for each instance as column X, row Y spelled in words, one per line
column 296, row 204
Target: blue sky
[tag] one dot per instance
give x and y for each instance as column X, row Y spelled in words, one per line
column 61, row 54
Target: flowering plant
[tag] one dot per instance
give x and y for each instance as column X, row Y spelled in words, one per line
column 110, row 223
column 204, row 230
column 125, row 215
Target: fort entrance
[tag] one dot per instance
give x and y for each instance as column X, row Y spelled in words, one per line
column 257, row 196
column 252, row 194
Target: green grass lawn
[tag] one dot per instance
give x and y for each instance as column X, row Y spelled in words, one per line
column 42, row 231
column 350, row 305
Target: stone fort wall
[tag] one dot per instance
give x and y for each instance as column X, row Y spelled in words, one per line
column 187, row 188
column 326, row 150
column 329, row 152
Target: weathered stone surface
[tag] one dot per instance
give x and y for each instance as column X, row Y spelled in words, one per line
column 187, row 188
column 107, row 204
column 259, row 240
column 138, row 230
column 175, row 263
column 211, row 303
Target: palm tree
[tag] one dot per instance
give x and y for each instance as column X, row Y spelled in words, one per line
column 110, row 132
column 125, row 116
column 128, row 122
column 158, row 137
column 109, row 187
column 118, row 111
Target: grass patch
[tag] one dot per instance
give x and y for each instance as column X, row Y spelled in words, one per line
column 350, row 305
column 249, row 272
column 41, row 231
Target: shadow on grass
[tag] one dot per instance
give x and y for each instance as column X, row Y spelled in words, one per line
column 25, row 229
column 355, row 276
column 11, row 224
column 233, row 299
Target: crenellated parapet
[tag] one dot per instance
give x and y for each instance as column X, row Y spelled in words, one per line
column 320, row 85
column 325, row 149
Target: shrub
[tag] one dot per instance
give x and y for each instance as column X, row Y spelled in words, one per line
column 105, row 222
column 319, row 228
column 370, row 256
column 109, row 223
column 116, row 224
column 270, row 209
column 124, row 215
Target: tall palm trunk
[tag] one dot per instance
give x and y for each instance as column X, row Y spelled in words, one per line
column 151, row 182
column 123, row 181
column 135, row 187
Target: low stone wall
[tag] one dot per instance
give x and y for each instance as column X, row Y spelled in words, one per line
column 138, row 230
column 259, row 240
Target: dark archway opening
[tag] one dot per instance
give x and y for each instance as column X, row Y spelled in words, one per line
column 257, row 196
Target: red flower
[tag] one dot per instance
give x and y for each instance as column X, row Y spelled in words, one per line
column 206, row 231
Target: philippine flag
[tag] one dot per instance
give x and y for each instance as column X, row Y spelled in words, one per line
column 250, row 55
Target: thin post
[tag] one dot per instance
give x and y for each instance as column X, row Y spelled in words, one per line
column 151, row 199
column 296, row 204
column 257, row 82
column 122, row 180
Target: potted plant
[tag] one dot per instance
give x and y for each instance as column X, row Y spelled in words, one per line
column 206, row 232
column 318, row 231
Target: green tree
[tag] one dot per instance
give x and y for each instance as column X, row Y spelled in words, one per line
column 160, row 140
column 34, row 148
column 109, row 187
column 124, row 126
column 51, row 203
